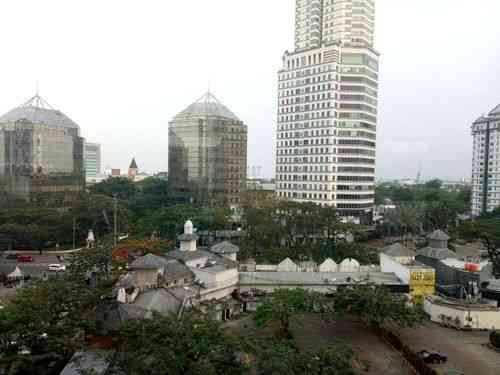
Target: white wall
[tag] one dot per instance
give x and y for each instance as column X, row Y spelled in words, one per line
column 388, row 264
column 481, row 319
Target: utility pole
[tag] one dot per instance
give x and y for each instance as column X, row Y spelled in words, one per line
column 115, row 219
column 74, row 232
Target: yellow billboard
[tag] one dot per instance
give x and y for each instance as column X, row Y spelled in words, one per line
column 422, row 283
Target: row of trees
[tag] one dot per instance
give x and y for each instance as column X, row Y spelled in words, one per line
column 274, row 229
column 301, row 231
column 374, row 305
column 421, row 208
column 143, row 208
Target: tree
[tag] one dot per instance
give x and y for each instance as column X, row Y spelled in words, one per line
column 281, row 357
column 50, row 318
column 284, row 304
column 405, row 220
column 376, row 306
column 169, row 221
column 487, row 230
column 96, row 212
column 122, row 187
column 168, row 346
column 434, row 184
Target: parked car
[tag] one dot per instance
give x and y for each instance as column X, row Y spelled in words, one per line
column 432, row 357
column 24, row 258
column 57, row 267
column 11, row 256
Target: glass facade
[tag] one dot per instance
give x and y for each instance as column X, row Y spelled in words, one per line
column 92, row 160
column 207, row 155
column 40, row 163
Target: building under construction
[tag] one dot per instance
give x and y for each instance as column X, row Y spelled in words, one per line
column 208, row 154
column 41, row 156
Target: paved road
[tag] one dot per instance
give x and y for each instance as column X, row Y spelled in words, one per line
column 467, row 351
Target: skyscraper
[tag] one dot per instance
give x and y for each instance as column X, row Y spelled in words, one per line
column 207, row 153
column 92, row 156
column 41, row 155
column 486, row 163
column 327, row 108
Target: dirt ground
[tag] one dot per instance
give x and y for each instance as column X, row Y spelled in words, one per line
column 374, row 356
column 466, row 351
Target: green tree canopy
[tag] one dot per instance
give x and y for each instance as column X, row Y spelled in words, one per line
column 167, row 346
column 376, row 306
column 284, row 304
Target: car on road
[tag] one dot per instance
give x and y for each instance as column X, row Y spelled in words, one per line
column 432, row 356
column 57, row 267
column 24, row 258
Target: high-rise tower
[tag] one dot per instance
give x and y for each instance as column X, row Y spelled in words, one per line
column 327, row 108
column 207, row 154
column 41, row 156
column 485, row 160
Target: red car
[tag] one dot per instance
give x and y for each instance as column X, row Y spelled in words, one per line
column 24, row 258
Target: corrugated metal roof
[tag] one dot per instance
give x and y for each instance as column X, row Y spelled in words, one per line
column 317, row 278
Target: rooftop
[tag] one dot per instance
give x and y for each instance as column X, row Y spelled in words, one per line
column 317, row 278
column 495, row 111
column 439, row 235
column 215, row 259
column 398, row 250
column 133, row 164
column 36, row 110
column 432, row 252
column 224, row 247
column 208, row 106
column 174, row 270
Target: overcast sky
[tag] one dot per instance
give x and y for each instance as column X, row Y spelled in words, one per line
column 122, row 69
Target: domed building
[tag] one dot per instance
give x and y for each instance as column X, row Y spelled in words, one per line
column 207, row 153
column 41, row 155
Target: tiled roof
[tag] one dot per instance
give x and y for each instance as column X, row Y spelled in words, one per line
column 398, row 250
column 174, row 270
column 149, row 261
column 431, row 252
column 439, row 235
column 224, row 247
column 187, row 237
column 158, row 300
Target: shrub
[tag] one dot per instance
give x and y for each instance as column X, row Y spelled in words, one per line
column 495, row 339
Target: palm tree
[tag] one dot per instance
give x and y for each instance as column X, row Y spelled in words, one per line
column 406, row 220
